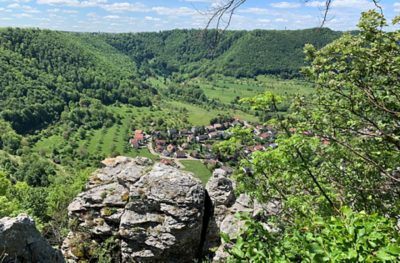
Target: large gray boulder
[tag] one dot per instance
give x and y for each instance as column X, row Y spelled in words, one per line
column 152, row 213
column 20, row 241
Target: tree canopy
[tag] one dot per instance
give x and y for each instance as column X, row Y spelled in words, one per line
column 339, row 148
column 43, row 72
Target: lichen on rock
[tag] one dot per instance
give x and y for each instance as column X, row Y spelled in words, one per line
column 154, row 212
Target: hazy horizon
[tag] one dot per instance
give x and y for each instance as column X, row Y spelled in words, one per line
column 121, row 16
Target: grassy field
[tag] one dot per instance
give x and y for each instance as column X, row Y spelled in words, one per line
column 226, row 89
column 198, row 115
column 142, row 152
column 198, row 169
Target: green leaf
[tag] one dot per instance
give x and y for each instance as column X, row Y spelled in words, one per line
column 393, row 249
column 225, row 237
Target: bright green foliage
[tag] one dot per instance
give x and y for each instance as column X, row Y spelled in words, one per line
column 31, row 200
column 43, row 192
column 8, row 164
column 5, row 184
column 59, row 195
column 9, row 140
column 42, row 72
column 357, row 109
column 233, row 147
column 350, row 237
column 266, row 102
column 7, row 205
column 286, row 173
column 344, row 148
column 340, row 147
column 35, row 171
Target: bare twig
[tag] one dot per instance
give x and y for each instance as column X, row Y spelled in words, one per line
column 228, row 8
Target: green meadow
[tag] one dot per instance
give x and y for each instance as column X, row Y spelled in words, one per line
column 226, row 89
column 198, row 169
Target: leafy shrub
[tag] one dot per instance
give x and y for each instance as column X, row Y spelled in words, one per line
column 348, row 237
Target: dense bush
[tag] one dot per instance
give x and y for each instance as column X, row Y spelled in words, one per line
column 347, row 237
column 90, row 114
column 35, row 171
column 339, row 147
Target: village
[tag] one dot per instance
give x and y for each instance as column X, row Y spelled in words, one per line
column 196, row 143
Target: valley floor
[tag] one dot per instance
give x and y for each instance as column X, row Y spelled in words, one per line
column 113, row 140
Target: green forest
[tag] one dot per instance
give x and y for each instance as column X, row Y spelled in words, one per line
column 69, row 100
column 234, row 53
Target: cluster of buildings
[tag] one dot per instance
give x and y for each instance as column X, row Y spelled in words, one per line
column 196, row 142
column 168, row 149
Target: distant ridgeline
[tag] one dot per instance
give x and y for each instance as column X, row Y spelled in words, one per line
column 45, row 73
column 232, row 53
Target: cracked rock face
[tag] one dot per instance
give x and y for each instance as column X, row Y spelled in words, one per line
column 225, row 205
column 20, row 241
column 153, row 212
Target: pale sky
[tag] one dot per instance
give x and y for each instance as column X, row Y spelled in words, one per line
column 156, row 15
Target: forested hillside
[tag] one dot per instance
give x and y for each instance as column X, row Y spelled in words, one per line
column 271, row 52
column 233, row 53
column 171, row 51
column 43, row 72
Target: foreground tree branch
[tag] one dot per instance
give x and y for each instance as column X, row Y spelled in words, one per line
column 227, row 8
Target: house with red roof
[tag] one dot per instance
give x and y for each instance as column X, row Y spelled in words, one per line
column 134, row 143
column 138, row 139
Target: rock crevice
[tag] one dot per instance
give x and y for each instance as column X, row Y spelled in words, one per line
column 154, row 213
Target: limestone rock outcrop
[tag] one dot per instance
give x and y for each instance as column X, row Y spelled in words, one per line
column 20, row 241
column 151, row 213
column 225, row 205
column 135, row 211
